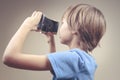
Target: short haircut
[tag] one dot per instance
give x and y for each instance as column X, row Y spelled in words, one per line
column 88, row 22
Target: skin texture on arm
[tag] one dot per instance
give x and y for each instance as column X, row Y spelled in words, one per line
column 13, row 55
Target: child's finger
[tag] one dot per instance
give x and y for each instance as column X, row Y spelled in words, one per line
column 50, row 34
column 38, row 15
column 34, row 13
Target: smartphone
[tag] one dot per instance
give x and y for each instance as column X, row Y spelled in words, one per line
column 48, row 25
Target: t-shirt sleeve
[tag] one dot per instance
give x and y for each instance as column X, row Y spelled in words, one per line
column 64, row 64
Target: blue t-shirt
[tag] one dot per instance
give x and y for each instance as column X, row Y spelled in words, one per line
column 73, row 64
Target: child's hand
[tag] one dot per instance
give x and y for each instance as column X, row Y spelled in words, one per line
column 50, row 36
column 51, row 41
column 33, row 21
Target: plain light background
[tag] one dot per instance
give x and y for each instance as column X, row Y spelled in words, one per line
column 13, row 13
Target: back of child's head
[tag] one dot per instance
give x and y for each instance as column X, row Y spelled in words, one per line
column 88, row 22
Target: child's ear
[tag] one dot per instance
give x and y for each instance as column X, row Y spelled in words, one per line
column 74, row 32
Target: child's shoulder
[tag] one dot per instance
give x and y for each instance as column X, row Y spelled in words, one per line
column 81, row 53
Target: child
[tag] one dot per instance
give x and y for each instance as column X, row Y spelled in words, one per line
column 82, row 28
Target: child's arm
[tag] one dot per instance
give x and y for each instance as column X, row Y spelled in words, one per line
column 51, row 42
column 15, row 58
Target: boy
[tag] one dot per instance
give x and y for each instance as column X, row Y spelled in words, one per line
column 82, row 28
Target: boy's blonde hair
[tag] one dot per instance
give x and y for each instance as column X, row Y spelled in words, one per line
column 88, row 22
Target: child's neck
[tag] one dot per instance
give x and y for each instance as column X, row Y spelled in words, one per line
column 71, row 46
column 75, row 43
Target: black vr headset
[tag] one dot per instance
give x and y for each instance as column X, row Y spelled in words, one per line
column 48, row 25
